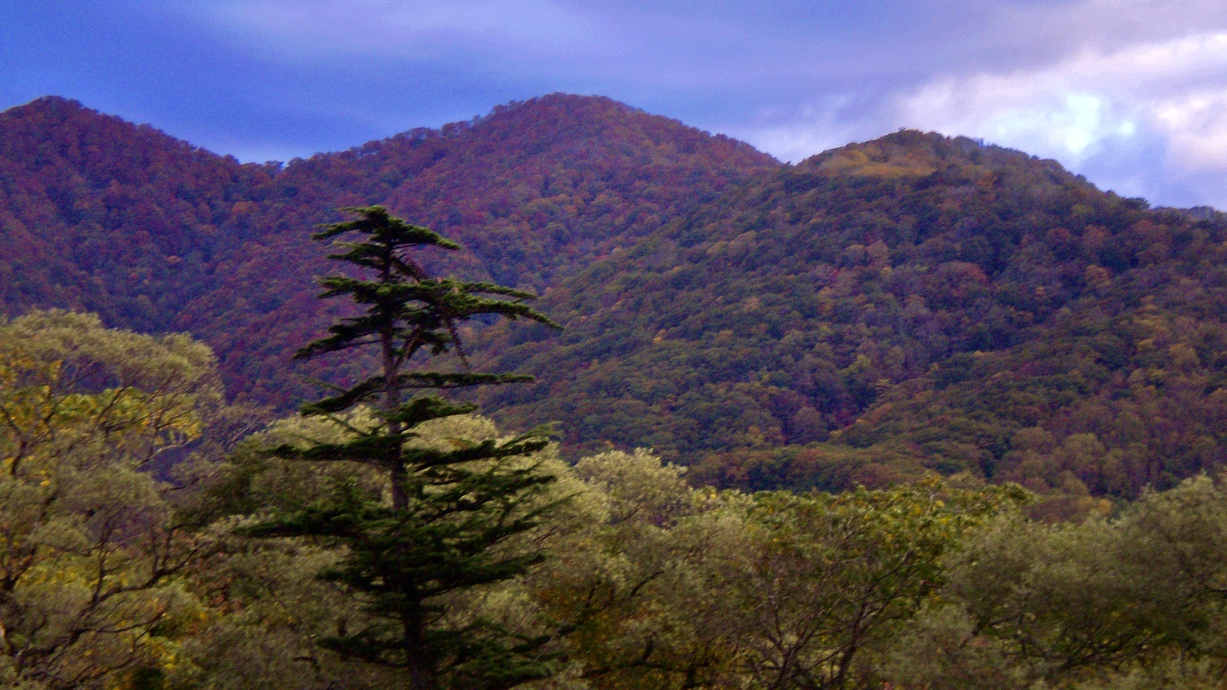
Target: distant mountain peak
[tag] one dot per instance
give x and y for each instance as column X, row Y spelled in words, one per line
column 905, row 153
column 41, row 112
column 909, row 153
column 555, row 116
column 48, row 104
column 571, row 100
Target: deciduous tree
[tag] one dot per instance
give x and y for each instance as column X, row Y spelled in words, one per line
column 91, row 550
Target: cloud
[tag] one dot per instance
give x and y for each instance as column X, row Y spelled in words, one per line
column 1196, row 124
column 1135, row 73
column 1167, row 95
column 795, row 134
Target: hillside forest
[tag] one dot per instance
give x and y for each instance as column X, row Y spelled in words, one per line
column 919, row 412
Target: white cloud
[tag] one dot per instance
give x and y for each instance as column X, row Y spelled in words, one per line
column 1074, row 108
column 1196, row 124
column 1108, row 112
column 1132, row 93
column 815, row 128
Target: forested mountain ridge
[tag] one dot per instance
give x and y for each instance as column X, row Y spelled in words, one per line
column 908, row 303
column 915, row 302
column 103, row 215
column 155, row 234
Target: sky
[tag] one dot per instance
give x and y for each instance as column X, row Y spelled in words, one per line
column 1130, row 93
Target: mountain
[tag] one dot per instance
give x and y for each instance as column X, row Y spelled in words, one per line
column 912, row 303
column 103, row 215
column 155, row 234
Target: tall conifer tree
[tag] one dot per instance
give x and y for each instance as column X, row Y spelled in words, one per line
column 451, row 511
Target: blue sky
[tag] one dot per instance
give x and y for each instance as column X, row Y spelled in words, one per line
column 1131, row 93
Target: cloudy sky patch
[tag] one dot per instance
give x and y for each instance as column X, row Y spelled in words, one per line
column 1161, row 100
column 321, row 30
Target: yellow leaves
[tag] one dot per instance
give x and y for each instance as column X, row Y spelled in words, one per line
column 66, row 382
column 81, row 528
column 876, row 159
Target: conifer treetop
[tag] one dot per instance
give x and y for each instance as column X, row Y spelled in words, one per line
column 404, row 309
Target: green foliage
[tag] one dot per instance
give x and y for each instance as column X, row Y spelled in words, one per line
column 635, row 576
column 646, row 582
column 1131, row 602
column 666, row 586
column 275, row 608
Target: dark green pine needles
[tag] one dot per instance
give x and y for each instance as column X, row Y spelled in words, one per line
column 451, row 512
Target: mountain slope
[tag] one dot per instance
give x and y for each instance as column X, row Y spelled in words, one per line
column 163, row 235
column 910, row 302
column 102, row 215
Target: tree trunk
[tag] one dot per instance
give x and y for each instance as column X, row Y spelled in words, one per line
column 391, row 402
column 422, row 672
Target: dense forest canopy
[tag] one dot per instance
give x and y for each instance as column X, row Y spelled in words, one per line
column 915, row 302
column 908, row 304
column 111, row 578
column 154, row 234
